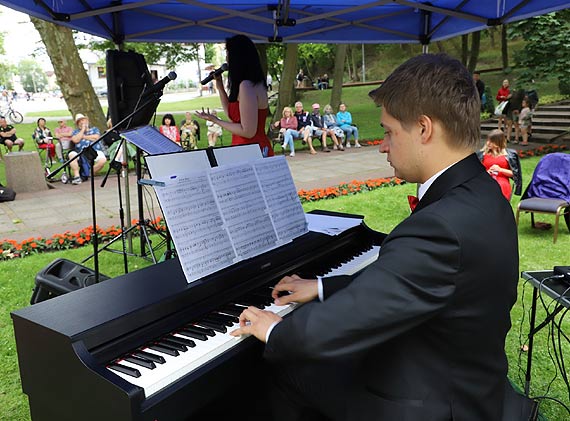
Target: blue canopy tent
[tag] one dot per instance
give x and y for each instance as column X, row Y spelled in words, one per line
column 289, row 21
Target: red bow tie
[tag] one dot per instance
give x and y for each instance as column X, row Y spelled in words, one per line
column 413, row 201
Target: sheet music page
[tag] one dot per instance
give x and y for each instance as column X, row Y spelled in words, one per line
column 244, row 211
column 281, row 197
column 151, row 141
column 196, row 225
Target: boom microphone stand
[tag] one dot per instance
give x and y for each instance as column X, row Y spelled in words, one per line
column 90, row 154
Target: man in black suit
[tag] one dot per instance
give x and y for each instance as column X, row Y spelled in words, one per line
column 420, row 333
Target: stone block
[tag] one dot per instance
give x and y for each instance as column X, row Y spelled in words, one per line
column 24, row 172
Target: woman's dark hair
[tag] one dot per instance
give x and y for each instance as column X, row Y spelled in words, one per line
column 244, row 64
column 39, row 119
column 171, row 117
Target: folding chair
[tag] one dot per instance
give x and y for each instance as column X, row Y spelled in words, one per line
column 549, row 190
column 44, row 156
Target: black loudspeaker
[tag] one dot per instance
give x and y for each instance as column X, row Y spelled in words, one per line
column 127, row 78
column 60, row 277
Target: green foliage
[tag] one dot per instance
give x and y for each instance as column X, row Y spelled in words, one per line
column 154, row 52
column 32, row 76
column 316, row 59
column 275, row 57
column 547, row 49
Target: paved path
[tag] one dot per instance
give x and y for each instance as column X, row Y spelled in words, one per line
column 68, row 207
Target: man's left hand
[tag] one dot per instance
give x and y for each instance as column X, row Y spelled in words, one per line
column 256, row 322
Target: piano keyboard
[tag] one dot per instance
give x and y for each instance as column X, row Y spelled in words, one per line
column 156, row 365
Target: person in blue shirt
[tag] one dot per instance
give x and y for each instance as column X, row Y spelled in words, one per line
column 344, row 118
column 83, row 136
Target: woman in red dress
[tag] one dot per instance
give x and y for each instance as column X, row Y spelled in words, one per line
column 246, row 104
column 495, row 160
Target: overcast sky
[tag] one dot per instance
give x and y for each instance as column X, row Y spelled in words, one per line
column 21, row 39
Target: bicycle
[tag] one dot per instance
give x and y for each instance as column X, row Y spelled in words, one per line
column 14, row 116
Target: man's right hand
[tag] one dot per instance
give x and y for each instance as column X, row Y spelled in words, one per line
column 300, row 290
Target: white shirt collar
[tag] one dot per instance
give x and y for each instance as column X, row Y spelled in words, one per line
column 423, row 188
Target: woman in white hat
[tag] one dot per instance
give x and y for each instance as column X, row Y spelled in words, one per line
column 83, row 137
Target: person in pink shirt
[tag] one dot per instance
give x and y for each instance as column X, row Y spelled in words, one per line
column 504, row 94
column 169, row 128
column 63, row 135
column 287, row 123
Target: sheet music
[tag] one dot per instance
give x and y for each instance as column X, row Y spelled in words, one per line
column 241, row 203
column 166, row 165
column 281, row 197
column 196, row 225
column 151, row 141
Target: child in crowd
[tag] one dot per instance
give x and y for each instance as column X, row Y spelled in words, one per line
column 525, row 121
column 169, row 129
column 214, row 130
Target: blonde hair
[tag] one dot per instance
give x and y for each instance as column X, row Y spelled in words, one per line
column 286, row 109
column 328, row 108
column 496, row 137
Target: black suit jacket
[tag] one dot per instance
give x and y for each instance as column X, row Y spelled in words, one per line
column 427, row 321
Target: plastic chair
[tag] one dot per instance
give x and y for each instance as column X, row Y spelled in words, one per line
column 549, row 190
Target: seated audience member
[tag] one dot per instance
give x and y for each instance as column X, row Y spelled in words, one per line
column 63, row 134
column 288, row 126
column 319, row 129
column 323, row 82
column 83, row 136
column 303, row 123
column 214, row 130
column 169, row 129
column 344, row 118
column 330, row 120
column 525, row 121
column 43, row 137
column 8, row 135
column 501, row 163
column 188, row 131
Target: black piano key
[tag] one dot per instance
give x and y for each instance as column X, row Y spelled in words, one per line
column 218, row 327
column 182, row 341
column 125, row 370
column 248, row 302
column 141, row 361
column 212, row 318
column 164, row 349
column 191, row 334
column 266, row 300
column 228, row 317
column 149, row 356
column 232, row 309
column 173, row 345
column 199, row 329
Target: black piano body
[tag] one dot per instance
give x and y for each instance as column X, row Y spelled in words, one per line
column 65, row 343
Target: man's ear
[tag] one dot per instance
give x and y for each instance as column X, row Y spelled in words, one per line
column 426, row 128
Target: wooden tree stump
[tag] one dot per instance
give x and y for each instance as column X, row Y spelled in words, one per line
column 24, row 172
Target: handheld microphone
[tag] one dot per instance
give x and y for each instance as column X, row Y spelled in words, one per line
column 159, row 86
column 215, row 73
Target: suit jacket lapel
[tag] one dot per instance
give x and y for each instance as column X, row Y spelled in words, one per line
column 456, row 175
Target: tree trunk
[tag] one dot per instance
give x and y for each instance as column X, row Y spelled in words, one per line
column 72, row 79
column 491, row 32
column 355, row 63
column 287, row 84
column 504, row 47
column 474, row 56
column 262, row 51
column 336, row 92
column 464, row 48
column 440, row 46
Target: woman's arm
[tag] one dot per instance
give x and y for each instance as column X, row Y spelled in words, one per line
column 223, row 94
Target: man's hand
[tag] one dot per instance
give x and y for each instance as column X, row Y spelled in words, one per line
column 256, row 322
column 301, row 290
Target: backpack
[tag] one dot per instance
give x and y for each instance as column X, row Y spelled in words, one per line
column 6, row 194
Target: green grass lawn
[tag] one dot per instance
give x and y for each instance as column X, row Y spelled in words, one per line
column 383, row 210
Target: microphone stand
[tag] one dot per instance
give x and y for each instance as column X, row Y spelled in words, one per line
column 90, row 154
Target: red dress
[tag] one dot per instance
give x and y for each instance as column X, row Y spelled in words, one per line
column 502, row 179
column 259, row 137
